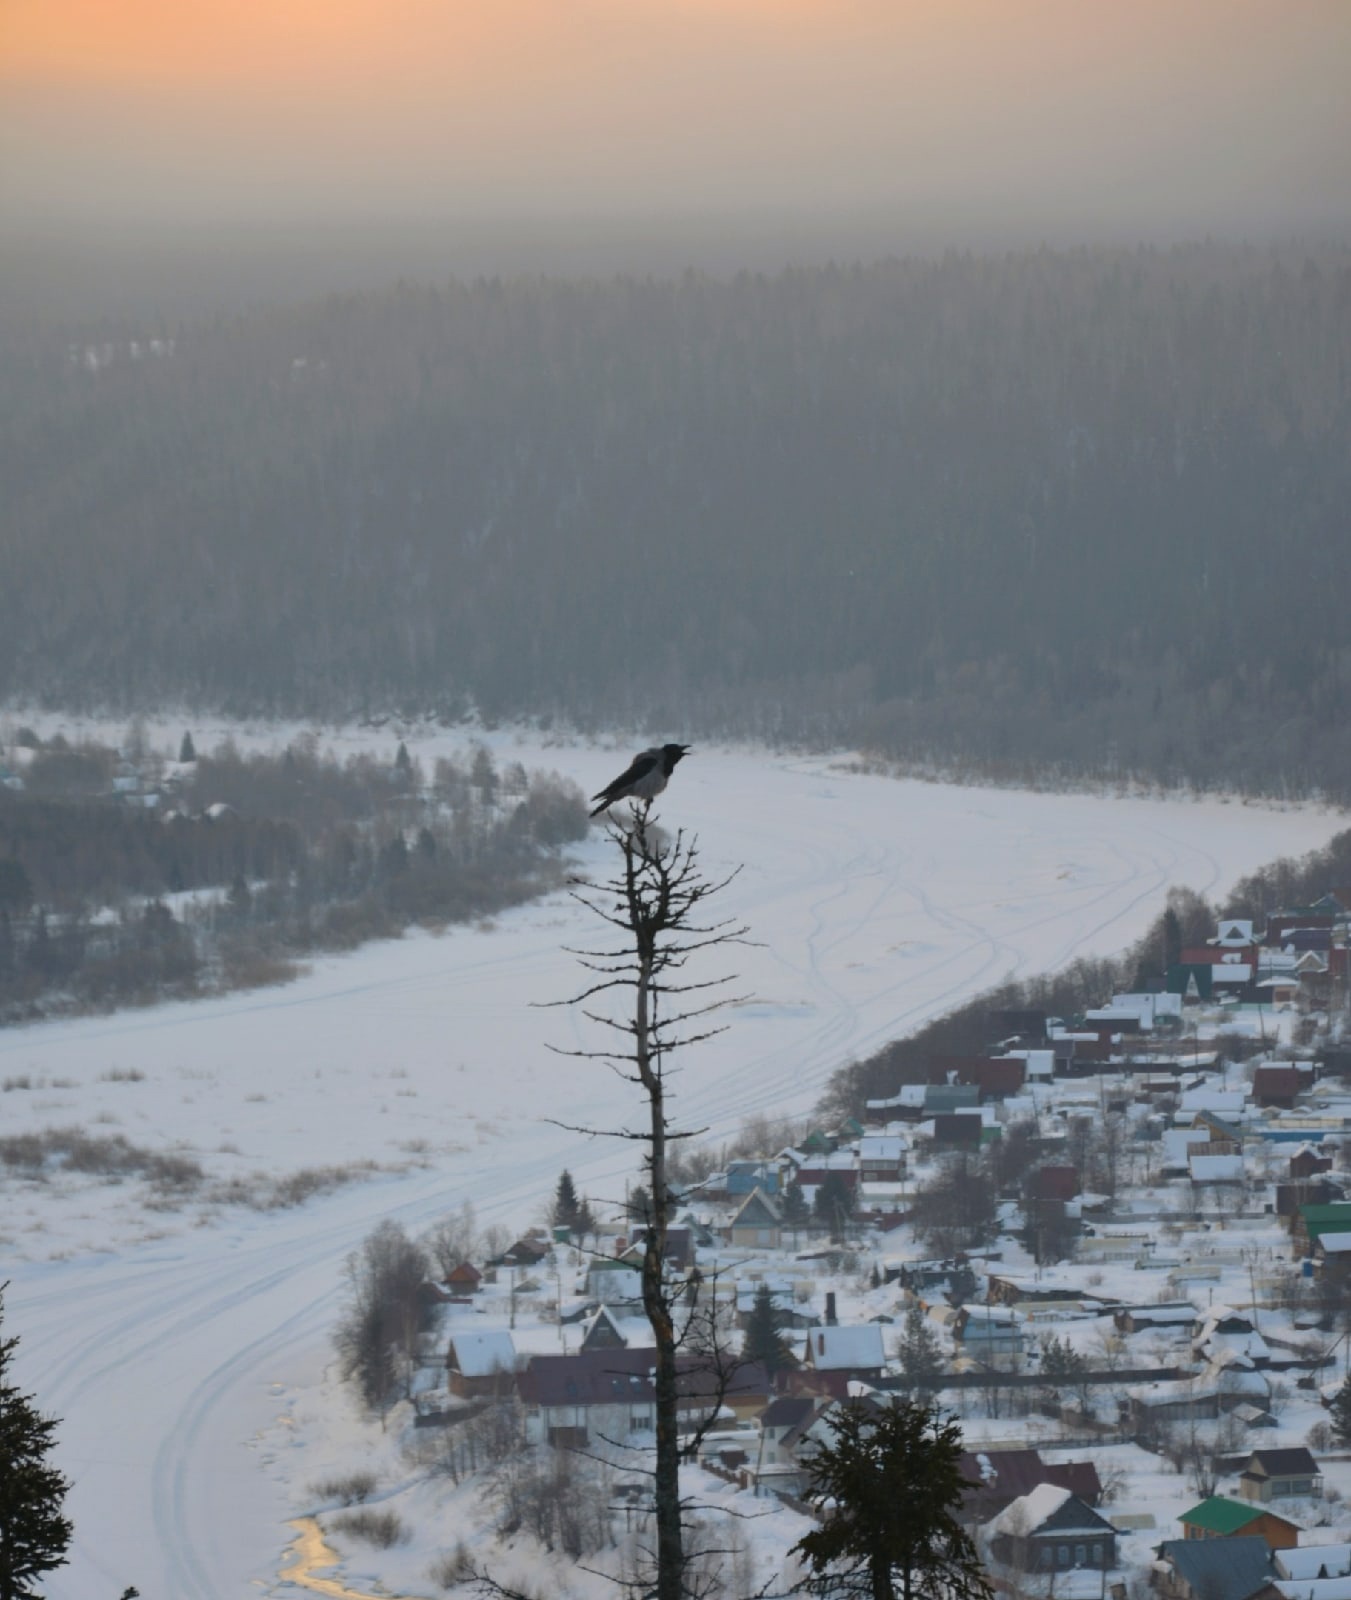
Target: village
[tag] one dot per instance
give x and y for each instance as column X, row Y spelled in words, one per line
column 1115, row 1247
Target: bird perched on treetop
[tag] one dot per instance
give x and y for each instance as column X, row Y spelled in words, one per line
column 644, row 778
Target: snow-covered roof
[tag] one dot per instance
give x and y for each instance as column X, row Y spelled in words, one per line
column 833, row 1349
column 1030, row 1511
column 479, row 1355
column 1216, row 1169
column 1309, row 1561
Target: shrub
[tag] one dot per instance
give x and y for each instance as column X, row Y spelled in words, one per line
column 380, row 1528
column 350, row 1489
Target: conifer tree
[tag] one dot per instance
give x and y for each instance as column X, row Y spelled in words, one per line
column 893, row 1479
column 764, row 1342
column 566, row 1205
column 34, row 1535
column 795, row 1212
column 918, row 1349
column 187, row 751
column 834, row 1204
column 1341, row 1414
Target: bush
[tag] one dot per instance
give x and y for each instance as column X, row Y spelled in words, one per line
column 453, row 1568
column 380, row 1528
column 350, row 1490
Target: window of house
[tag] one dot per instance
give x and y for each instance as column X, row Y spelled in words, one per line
column 1097, row 1555
column 1064, row 1555
column 1047, row 1556
column 1080, row 1555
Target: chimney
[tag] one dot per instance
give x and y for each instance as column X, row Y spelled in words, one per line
column 830, row 1309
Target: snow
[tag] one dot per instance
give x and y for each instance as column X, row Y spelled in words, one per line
column 185, row 1343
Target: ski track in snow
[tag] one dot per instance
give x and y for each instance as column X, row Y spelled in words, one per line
column 875, row 905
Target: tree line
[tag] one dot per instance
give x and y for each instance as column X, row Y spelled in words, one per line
column 1078, row 510
column 251, row 860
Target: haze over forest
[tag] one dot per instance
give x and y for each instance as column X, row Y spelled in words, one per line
column 965, row 380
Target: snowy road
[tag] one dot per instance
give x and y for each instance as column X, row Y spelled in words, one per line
column 168, row 1341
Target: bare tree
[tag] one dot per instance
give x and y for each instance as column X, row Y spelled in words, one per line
column 656, row 901
column 452, row 1241
column 385, row 1311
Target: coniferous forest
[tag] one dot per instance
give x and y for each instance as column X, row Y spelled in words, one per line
column 1084, row 510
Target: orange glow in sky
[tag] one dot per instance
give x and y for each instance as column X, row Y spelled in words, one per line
column 203, row 105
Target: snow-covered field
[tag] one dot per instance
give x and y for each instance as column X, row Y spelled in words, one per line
column 171, row 1336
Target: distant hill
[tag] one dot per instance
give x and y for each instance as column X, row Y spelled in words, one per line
column 1085, row 509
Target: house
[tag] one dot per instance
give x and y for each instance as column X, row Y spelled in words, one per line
column 605, row 1330
column 1219, row 1569
column 1177, row 1316
column 1310, row 1222
column 1003, row 1289
column 1054, row 1182
column 1222, row 1518
column 881, row 1158
column 1280, row 1475
column 1147, row 1407
column 481, row 1363
column 1225, row 1337
column 1307, row 1162
column 614, row 1281
column 465, row 1280
column 1052, row 1530
column 1205, row 1169
column 757, row 1225
column 985, row 1332
column 601, row 1393
column 528, row 1251
column 855, row 1352
column 996, row 1478
column 609, row 1394
column 992, row 1077
column 1280, row 1086
column 783, row 1420
column 743, row 1177
column 942, row 1099
column 1313, row 1563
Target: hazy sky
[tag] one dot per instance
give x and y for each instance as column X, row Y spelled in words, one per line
column 1191, row 113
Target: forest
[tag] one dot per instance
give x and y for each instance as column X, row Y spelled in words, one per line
column 246, row 863
column 1079, row 512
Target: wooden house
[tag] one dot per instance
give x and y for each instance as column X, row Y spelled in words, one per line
column 757, row 1225
column 1280, row 1475
column 1222, row 1518
column 1052, row 1530
column 481, row 1363
column 1221, row 1569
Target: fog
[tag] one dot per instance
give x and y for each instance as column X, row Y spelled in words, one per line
column 411, row 135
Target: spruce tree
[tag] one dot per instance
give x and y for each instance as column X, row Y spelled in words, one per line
column 795, row 1212
column 918, row 1349
column 34, row 1535
column 834, row 1204
column 764, row 1342
column 892, row 1477
column 1341, row 1414
column 566, row 1204
column 187, row 751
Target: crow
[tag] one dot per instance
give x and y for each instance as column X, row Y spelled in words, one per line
column 644, row 778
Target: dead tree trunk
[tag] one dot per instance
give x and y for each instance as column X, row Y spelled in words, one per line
column 655, row 900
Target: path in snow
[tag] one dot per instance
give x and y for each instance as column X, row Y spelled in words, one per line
column 876, row 905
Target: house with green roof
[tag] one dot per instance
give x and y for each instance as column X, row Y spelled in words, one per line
column 1222, row 1518
column 1311, row 1222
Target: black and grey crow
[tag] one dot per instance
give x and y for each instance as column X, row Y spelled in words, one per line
column 644, row 778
